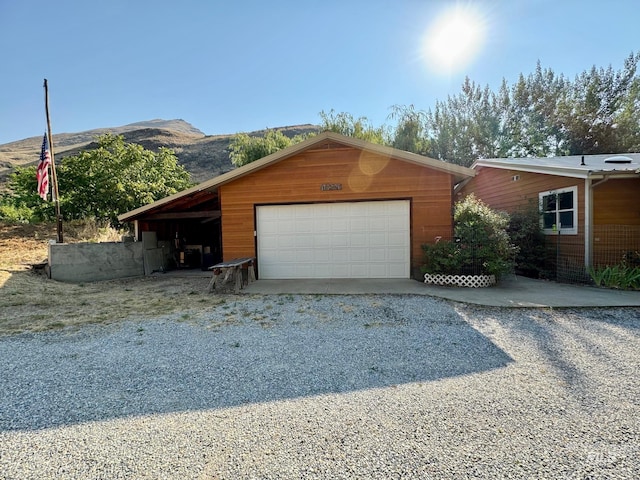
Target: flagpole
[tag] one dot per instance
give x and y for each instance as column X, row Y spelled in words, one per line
column 54, row 177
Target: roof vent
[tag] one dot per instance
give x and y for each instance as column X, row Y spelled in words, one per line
column 618, row 159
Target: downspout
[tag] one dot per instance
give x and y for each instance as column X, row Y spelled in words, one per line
column 588, row 222
column 600, row 182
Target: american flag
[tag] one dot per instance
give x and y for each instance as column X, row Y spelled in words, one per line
column 42, row 173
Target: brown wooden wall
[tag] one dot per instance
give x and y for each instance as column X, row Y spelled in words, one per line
column 497, row 188
column 617, row 202
column 363, row 176
column 616, row 218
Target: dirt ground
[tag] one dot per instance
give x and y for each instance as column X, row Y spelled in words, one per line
column 29, row 301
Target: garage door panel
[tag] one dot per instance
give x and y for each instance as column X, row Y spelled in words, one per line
column 378, row 239
column 340, row 255
column 358, row 225
column 302, row 256
column 303, row 241
column 334, row 240
column 359, row 240
column 321, row 271
column 304, row 225
column 322, row 241
column 339, row 271
column 378, row 255
column 359, row 271
column 339, row 240
column 359, row 255
column 396, row 271
column 321, row 256
column 339, row 225
column 396, row 239
column 379, row 271
column 395, row 255
column 284, row 241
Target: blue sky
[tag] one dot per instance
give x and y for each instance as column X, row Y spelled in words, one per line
column 234, row 66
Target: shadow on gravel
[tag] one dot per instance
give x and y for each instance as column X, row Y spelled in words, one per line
column 579, row 345
column 100, row 373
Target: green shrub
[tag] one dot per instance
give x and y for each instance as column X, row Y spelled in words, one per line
column 16, row 214
column 525, row 233
column 481, row 245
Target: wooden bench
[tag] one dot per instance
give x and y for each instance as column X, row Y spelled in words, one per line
column 233, row 268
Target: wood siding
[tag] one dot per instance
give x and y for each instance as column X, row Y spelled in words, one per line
column 616, row 218
column 362, row 176
column 498, row 189
column 617, row 202
column 510, row 190
column 616, row 207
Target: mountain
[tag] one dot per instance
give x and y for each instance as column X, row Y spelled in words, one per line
column 204, row 156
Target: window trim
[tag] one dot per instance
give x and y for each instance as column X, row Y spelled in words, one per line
column 563, row 231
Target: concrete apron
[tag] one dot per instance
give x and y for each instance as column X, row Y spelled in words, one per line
column 510, row 292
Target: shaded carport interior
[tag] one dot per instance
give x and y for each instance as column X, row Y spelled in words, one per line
column 187, row 227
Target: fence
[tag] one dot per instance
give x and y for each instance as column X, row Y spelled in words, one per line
column 612, row 245
column 562, row 259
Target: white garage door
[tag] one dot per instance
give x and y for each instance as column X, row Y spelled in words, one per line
column 334, row 240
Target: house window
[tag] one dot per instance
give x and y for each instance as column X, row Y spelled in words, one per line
column 559, row 209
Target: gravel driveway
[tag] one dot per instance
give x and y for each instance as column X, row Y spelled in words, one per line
column 374, row 387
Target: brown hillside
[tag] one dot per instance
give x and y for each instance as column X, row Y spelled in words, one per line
column 203, row 156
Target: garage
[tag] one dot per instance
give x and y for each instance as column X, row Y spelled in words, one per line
column 366, row 239
column 330, row 206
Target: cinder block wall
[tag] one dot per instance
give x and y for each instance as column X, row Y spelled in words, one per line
column 89, row 262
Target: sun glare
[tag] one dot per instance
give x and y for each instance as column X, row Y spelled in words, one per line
column 454, row 39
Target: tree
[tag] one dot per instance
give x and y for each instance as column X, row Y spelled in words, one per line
column 22, row 202
column 541, row 115
column 465, row 127
column 103, row 183
column 601, row 113
column 345, row 124
column 410, row 133
column 245, row 149
column 117, row 177
column 531, row 116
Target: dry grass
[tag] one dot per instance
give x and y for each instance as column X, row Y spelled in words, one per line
column 29, row 301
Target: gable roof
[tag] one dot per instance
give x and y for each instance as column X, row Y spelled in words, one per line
column 578, row 166
column 458, row 172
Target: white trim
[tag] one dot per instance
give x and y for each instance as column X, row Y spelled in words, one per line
column 588, row 222
column 560, row 231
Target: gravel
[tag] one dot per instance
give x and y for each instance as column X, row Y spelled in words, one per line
column 311, row 386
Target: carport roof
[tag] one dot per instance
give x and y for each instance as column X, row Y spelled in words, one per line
column 458, row 172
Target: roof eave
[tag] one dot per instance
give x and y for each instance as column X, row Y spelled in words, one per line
column 559, row 171
column 563, row 172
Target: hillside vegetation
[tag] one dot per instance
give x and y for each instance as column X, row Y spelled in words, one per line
column 204, row 156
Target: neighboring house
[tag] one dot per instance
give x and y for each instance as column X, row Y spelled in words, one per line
column 589, row 205
column 329, row 207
